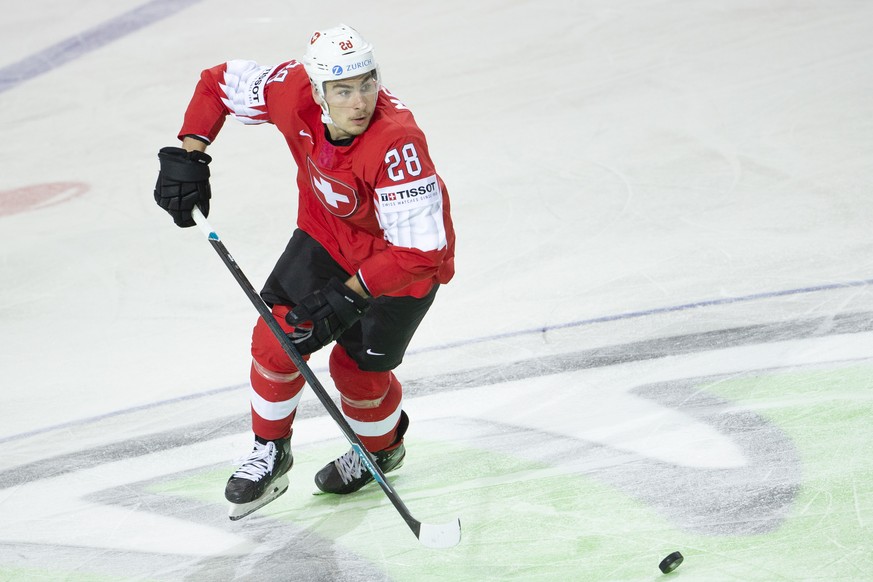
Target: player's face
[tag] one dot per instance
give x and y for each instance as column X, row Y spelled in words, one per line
column 352, row 103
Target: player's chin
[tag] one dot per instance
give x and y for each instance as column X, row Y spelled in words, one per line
column 357, row 126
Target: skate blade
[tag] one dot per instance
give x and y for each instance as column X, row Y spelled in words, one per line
column 240, row 510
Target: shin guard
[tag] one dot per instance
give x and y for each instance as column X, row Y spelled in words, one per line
column 371, row 401
column 276, row 383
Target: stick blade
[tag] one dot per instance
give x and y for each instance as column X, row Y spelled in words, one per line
column 441, row 536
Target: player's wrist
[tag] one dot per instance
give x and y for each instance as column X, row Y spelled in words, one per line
column 356, row 283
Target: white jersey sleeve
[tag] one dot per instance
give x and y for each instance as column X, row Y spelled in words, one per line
column 411, row 214
column 243, row 90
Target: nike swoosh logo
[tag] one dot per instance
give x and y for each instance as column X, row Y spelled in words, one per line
column 304, row 134
column 372, row 353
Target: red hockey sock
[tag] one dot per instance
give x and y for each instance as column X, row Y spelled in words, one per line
column 371, row 401
column 276, row 383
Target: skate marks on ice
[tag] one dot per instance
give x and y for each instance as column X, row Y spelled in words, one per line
column 477, row 377
column 274, row 549
column 749, row 499
column 748, row 491
column 114, row 516
column 678, row 345
column 742, row 476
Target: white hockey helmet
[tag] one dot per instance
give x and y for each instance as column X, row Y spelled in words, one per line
column 337, row 53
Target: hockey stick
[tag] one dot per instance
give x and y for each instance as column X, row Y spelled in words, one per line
column 431, row 536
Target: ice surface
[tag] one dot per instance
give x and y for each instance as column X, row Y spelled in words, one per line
column 660, row 336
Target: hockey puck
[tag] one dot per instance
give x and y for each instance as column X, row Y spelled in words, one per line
column 671, row 562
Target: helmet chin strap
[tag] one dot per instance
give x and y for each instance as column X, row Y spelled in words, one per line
column 325, row 109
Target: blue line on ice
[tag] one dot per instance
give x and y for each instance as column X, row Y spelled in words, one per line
column 584, row 322
column 70, row 49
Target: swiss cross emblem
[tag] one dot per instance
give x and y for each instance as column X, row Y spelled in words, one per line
column 339, row 198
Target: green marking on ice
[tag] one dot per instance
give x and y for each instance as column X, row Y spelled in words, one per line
column 525, row 521
column 827, row 414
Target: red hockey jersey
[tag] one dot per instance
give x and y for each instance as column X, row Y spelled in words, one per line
column 377, row 205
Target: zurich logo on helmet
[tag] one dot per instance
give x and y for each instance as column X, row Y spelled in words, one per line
column 337, row 70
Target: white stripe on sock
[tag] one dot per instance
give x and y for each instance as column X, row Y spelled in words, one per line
column 375, row 428
column 273, row 410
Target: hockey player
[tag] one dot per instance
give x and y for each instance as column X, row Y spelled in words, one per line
column 373, row 242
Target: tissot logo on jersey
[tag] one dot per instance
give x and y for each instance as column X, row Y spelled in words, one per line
column 409, row 195
column 338, row 198
column 255, row 88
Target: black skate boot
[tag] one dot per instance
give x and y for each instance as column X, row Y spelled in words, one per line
column 261, row 477
column 347, row 474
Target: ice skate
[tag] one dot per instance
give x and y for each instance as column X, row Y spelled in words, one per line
column 347, row 474
column 260, row 479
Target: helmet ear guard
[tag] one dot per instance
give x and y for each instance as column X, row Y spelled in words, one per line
column 337, row 53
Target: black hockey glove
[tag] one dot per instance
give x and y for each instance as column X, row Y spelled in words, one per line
column 323, row 316
column 183, row 183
